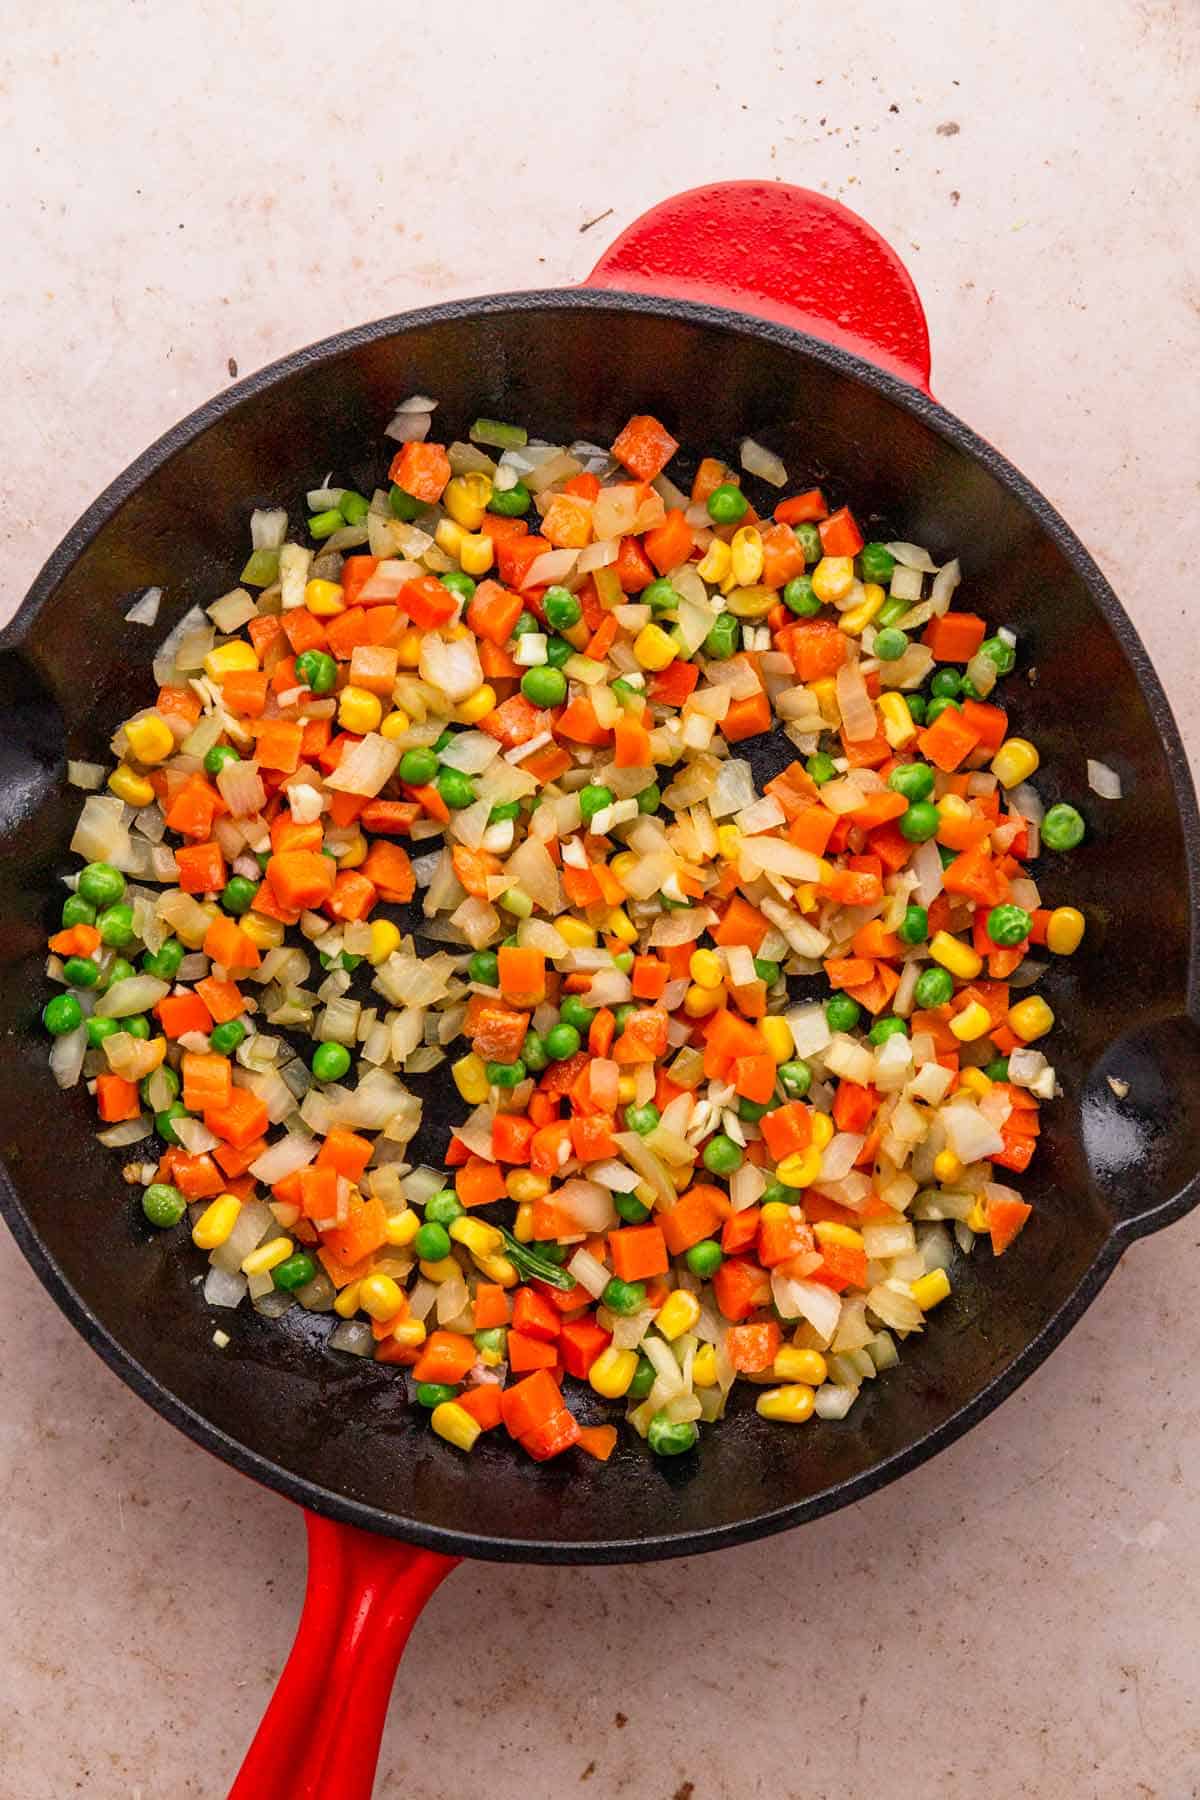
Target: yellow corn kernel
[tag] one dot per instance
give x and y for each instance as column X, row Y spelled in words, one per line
column 385, row 940
column 408, row 650
column 806, row 897
column 729, row 840
column 704, row 1367
column 751, row 603
column 714, row 565
column 618, row 924
column 1015, row 761
column 444, row 1269
column 825, row 692
column 822, row 1130
column 653, row 648
column 807, row 1366
column 476, row 554
column 354, row 853
column 576, row 932
column 976, row 1219
column 627, row 1089
column 622, row 866
column 498, row 1268
column 946, row 1166
column 930, row 1290
column 777, row 1034
column 150, row 738
column 230, row 659
column 216, row 1222
column 454, row 1423
column 612, row 1372
column 132, row 788
column 402, row 1228
column 476, row 1235
column 470, row 1078
column 267, row 1256
column 396, row 724
column 677, row 1314
column 699, row 1002
column 800, row 1169
column 833, row 578
column 746, row 555
column 1030, row 1018
column 1064, row 929
column 346, row 1304
column 899, row 726
column 448, row 537
column 705, row 968
column 359, row 710
column 975, row 1082
column 524, row 1186
column 477, row 706
column 523, row 1223
column 411, row 1333
column 775, row 1209
column 857, row 618
column 844, row 1237
column 380, row 1296
column 324, row 599
column 466, row 497
column 974, row 1021
column 264, row 933
column 790, row 1405
column 454, row 634
column 954, row 955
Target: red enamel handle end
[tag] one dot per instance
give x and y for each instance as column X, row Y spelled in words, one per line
column 783, row 253
column 320, row 1735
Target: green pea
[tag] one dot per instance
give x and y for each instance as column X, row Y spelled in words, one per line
column 934, row 987
column 458, row 583
column 705, row 1259
column 920, row 822
column 796, row 1077
column 238, row 895
column 99, row 1029
column 443, row 1207
column 1009, row 925
column 456, row 789
column 510, row 503
column 890, row 613
column 163, row 1205
column 216, row 758
column 946, row 684
column 1062, row 827
column 434, row 1393
column 914, row 780
column 330, row 1062
column 594, row 798
column 725, row 634
column 164, row 962
column 650, row 798
column 80, row 972
column 798, row 597
column 138, row 1026
column 77, row 911
column 507, row 1075
column 561, row 608
column 751, row 1111
column 62, row 1014
column 623, row 960
column 842, row 1013
column 533, row 1052
column 809, row 539
column 916, row 706
column 997, row 1069
column 484, row 967
column 669, row 1437
column 101, row 884
column 644, row 1377
column 727, row 504
column 572, row 1011
column 115, row 925
column 630, row 1208
column 721, row 1156
column 295, row 1271
column 820, row 768
column 883, row 1029
column 776, row 1194
column 544, row 686
column 403, row 505
column 164, row 1121
column 661, row 595
column 936, row 707
column 224, row 1039
column 914, row 926
column 432, row 1242
column 418, row 767
column 642, row 1119
column 1002, row 654
column 624, row 1297
column 558, row 654
column 317, row 670
column 561, row 1041
column 526, row 622
column 890, row 644
column 766, row 970
column 507, row 810
column 622, row 1015
column 877, row 563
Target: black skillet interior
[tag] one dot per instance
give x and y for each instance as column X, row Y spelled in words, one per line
column 335, row 1432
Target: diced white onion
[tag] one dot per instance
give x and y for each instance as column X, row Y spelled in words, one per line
column 762, row 462
column 144, row 610
column 1103, row 781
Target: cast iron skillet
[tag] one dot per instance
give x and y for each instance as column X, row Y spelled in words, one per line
column 832, row 371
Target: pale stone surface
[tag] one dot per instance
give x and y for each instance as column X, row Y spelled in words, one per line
column 190, row 183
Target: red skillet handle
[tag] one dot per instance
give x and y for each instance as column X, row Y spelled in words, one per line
column 319, row 1739
column 782, row 253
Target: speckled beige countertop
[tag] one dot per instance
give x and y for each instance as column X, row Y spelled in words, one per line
column 189, row 183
